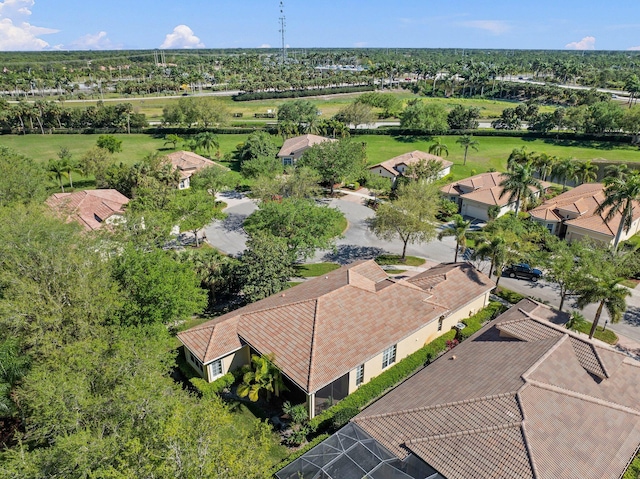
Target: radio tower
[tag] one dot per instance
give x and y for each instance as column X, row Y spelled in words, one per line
column 282, row 25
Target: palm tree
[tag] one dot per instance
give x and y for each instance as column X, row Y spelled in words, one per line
column 565, row 169
column 459, row 230
column 520, row 184
column 438, row 148
column 57, row 170
column 265, row 376
column 620, row 196
column 519, row 156
column 609, row 294
column 466, row 142
column 494, row 248
column 586, row 171
column 619, row 170
column 172, row 139
column 207, row 141
column 69, row 166
column 544, row 164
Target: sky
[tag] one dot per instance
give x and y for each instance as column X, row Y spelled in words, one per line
column 171, row 24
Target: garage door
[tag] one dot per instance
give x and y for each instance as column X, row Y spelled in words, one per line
column 474, row 211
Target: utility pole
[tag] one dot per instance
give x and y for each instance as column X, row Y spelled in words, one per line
column 282, row 27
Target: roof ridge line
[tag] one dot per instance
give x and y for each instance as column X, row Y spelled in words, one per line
column 436, row 406
column 583, row 397
column 468, row 432
column 527, row 446
column 600, row 361
column 313, row 343
column 544, row 357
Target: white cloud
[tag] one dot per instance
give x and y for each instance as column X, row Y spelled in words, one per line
column 360, row 44
column 98, row 41
column 265, row 45
column 17, row 34
column 182, row 37
column 587, row 43
column 497, row 27
column 634, row 48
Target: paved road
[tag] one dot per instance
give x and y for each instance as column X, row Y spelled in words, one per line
column 359, row 243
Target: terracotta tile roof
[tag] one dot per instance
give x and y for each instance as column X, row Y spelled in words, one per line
column 90, row 208
column 516, row 402
column 408, row 159
column 483, row 188
column 294, row 145
column 316, row 329
column 583, row 200
column 189, row 163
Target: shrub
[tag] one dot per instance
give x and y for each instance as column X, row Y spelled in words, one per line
column 510, row 296
column 300, row 452
column 208, row 390
column 266, row 95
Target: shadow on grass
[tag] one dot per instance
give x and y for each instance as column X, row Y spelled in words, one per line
column 411, row 138
column 598, row 145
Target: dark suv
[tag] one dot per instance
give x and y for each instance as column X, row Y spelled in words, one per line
column 523, row 271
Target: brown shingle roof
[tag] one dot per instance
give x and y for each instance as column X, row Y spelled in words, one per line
column 327, row 326
column 409, row 159
column 516, row 402
column 483, row 188
column 90, row 208
column 189, row 163
column 294, row 145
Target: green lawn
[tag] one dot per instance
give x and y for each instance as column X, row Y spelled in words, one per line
column 606, row 335
column 394, row 259
column 314, row 269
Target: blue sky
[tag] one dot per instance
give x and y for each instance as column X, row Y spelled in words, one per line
column 144, row 24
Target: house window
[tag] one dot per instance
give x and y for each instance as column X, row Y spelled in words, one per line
column 359, row 375
column 195, row 362
column 287, row 161
column 216, row 368
column 389, row 356
column 440, row 321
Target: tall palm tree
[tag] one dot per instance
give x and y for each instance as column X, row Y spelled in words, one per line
column 459, row 230
column 70, row 166
column 586, row 172
column 519, row 156
column 620, row 196
column 57, row 170
column 609, row 294
column 544, row 164
column 438, row 148
column 207, row 141
column 619, row 170
column 265, row 376
column 565, row 169
column 494, row 248
column 520, row 184
column 466, row 142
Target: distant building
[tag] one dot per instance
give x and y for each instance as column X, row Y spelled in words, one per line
column 189, row 163
column 572, row 215
column 91, row 208
column 293, row 148
column 397, row 166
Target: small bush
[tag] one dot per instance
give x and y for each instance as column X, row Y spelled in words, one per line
column 508, row 295
column 209, row 390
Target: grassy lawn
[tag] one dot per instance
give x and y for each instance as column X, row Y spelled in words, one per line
column 314, row 269
column 607, row 335
column 394, row 259
column 395, row 271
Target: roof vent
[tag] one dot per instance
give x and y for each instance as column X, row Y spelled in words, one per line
column 453, row 357
column 282, row 295
column 326, row 277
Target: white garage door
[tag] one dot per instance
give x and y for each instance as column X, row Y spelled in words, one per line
column 469, row 209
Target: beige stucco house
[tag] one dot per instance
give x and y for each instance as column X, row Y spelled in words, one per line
column 293, row 148
column 90, row 208
column 573, row 216
column 397, row 166
column 334, row 333
column 476, row 194
column 189, row 163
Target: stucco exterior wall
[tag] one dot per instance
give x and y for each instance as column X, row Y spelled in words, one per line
column 382, row 172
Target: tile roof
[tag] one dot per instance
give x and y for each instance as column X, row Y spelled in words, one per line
column 521, row 398
column 90, row 208
column 583, row 200
column 408, row 159
column 484, row 188
column 294, row 145
column 189, row 163
column 316, row 329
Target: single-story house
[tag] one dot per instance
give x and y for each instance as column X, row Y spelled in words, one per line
column 396, row 166
column 522, row 398
column 476, row 194
column 333, row 333
column 189, row 163
column 90, row 208
column 573, row 215
column 293, row 148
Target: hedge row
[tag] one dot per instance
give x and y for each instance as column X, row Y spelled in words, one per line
column 208, row 390
column 338, row 415
column 268, row 95
column 508, row 295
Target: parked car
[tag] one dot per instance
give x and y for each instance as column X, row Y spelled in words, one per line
column 523, row 271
